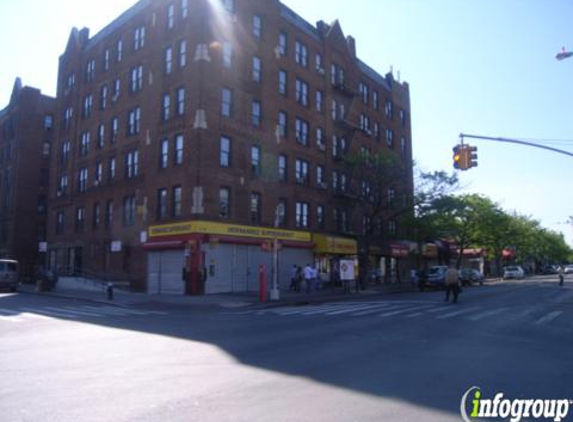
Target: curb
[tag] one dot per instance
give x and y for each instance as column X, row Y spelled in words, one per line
column 72, row 297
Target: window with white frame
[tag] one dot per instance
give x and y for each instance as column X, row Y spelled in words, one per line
column 283, row 83
column 170, row 16
column 302, row 172
column 103, row 97
column 256, row 160
column 139, row 38
column 137, row 78
column 301, row 53
column 106, row 56
column 98, row 174
column 301, row 214
column 318, row 100
column 83, row 179
column 281, row 212
column 257, row 26
column 111, row 169
column 63, row 183
column 226, row 102
column 164, row 154
column 168, row 60
column 109, row 213
column 176, row 201
column 301, row 130
column 180, row 101
column 375, row 100
column 184, row 8
column 166, row 107
column 227, row 54
column 129, row 210
column 256, row 113
column 282, row 123
column 101, row 136
column 88, row 105
column 255, row 208
column 131, row 164
column 320, row 182
column 84, row 143
column 182, row 53
column 224, row 202
column 96, row 215
column 320, row 222
column 389, row 110
column 119, row 51
column 134, row 121
column 283, row 167
column 225, row 152
column 178, row 150
column 116, row 90
column 90, row 70
column 301, row 92
column 80, row 218
column 390, row 138
column 283, row 44
column 161, row 203
column 320, row 139
column 114, row 129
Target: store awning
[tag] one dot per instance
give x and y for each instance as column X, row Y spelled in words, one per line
column 163, row 245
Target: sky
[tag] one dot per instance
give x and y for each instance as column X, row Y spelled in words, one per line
column 483, row 67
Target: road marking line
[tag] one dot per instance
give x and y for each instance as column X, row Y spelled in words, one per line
column 318, row 309
column 415, row 314
column 76, row 311
column 548, row 318
column 106, row 310
column 487, row 314
column 51, row 313
column 445, row 308
column 462, row 311
column 383, row 307
column 400, row 311
column 351, row 309
column 522, row 315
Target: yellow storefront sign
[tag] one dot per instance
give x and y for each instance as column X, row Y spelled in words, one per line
column 220, row 229
column 334, row 245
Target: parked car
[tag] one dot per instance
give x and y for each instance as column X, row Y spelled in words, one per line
column 470, row 276
column 436, row 276
column 9, row 274
column 568, row 269
column 551, row 269
column 513, row 271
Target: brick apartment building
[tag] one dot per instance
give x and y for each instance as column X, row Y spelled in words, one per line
column 193, row 132
column 26, row 134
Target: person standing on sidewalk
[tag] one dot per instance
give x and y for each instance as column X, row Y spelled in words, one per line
column 308, row 274
column 452, row 283
column 293, row 274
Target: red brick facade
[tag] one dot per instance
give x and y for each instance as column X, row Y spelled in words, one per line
column 174, row 87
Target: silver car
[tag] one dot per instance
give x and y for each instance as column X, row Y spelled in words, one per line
column 513, row 271
column 9, row 274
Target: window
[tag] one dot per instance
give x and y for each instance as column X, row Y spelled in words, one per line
column 402, row 118
column 106, row 59
column 83, row 179
column 98, row 175
column 283, row 83
column 256, row 69
column 376, row 131
column 182, row 53
column 256, row 113
column 301, row 92
column 318, row 98
column 134, row 119
column 227, row 54
column 403, row 146
column 88, row 104
column 137, row 78
column 96, row 215
column 283, row 167
column 389, row 110
column 301, row 172
column 114, row 129
column 180, row 101
column 338, row 147
column 65, row 152
column 301, row 128
column 84, row 143
column 318, row 63
column 391, row 228
column 90, row 70
column 60, row 222
column 80, row 218
column 176, row 201
column 320, row 177
column 301, row 54
column 139, row 38
column 116, row 90
column 100, row 136
column 365, row 124
column 225, row 152
column 282, row 123
column 119, row 51
column 320, row 139
column 109, row 213
column 226, row 102
column 335, row 180
column 283, row 44
column 255, row 207
column 103, row 97
column 336, row 75
column 129, row 210
column 257, row 26
column 390, row 138
column 375, row 100
column 320, row 216
column 178, row 150
column 161, row 203
column 281, row 213
column 131, row 164
column 366, row 224
column 111, row 169
column 256, row 160
column 302, row 214
column 184, row 8
column 63, row 183
column 391, row 195
column 170, row 16
column 164, row 154
column 224, row 202
column 168, row 60
column 166, row 107
column 68, row 115
column 363, row 89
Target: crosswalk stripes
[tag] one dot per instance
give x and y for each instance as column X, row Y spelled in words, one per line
column 412, row 309
column 22, row 314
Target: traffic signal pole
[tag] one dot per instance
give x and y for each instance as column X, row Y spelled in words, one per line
column 514, row 141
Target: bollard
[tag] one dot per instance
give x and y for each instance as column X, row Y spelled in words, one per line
column 109, row 290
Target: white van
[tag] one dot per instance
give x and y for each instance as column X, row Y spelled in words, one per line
column 9, row 274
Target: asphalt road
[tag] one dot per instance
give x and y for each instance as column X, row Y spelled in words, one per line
column 401, row 357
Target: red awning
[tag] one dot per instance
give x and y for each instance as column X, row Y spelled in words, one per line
column 163, row 244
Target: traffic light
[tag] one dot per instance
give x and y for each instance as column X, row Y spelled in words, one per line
column 461, row 157
column 472, row 157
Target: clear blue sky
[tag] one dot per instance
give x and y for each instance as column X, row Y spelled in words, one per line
column 476, row 66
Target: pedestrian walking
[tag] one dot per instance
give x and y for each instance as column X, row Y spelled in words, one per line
column 299, row 277
column 561, row 275
column 293, row 274
column 308, row 274
column 452, row 283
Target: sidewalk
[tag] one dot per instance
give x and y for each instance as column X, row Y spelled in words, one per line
column 88, row 291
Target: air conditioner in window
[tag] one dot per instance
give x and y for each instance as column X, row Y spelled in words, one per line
column 280, row 131
column 321, row 147
column 59, row 193
column 320, row 70
column 96, row 183
column 278, row 52
column 115, row 97
column 368, row 132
